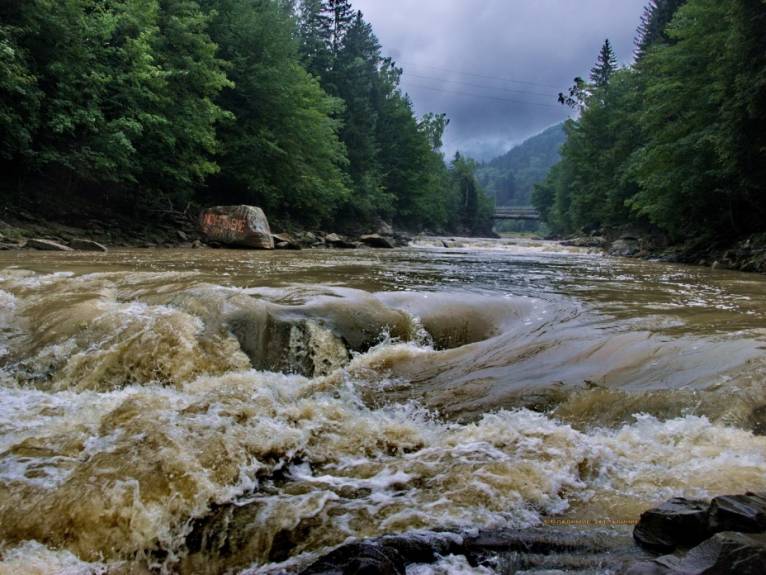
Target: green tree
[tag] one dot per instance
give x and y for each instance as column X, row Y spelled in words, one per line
column 179, row 119
column 122, row 92
column 282, row 150
column 19, row 98
column 475, row 210
column 606, row 65
column 685, row 186
column 342, row 17
column 357, row 80
column 315, row 33
column 657, row 15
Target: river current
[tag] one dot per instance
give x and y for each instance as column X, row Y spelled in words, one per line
column 209, row 411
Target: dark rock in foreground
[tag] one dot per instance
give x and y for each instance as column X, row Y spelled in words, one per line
column 721, row 536
column 746, row 513
column 683, row 523
column 244, row 226
column 678, row 522
column 549, row 549
column 385, row 556
column 724, row 553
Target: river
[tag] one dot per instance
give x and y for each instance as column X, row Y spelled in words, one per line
column 197, row 411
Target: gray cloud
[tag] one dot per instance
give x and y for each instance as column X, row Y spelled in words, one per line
column 459, row 57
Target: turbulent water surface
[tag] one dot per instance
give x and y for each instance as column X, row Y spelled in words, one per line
column 205, row 411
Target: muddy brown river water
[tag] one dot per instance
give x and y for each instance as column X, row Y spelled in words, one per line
column 325, row 395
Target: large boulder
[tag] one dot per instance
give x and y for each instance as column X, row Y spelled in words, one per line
column 244, row 226
column 745, row 513
column 47, row 245
column 678, row 522
column 723, row 553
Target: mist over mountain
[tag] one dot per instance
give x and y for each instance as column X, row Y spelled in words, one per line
column 510, row 178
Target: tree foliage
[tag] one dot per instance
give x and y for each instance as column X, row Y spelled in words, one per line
column 283, row 104
column 678, row 140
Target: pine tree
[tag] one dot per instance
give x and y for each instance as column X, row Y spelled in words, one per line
column 357, row 81
column 315, row 28
column 657, row 15
column 606, row 64
column 341, row 16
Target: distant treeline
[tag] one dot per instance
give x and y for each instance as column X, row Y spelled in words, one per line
column 290, row 107
column 678, row 139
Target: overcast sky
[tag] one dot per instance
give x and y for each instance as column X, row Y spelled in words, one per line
column 496, row 66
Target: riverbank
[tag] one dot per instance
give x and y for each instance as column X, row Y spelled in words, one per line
column 22, row 229
column 746, row 255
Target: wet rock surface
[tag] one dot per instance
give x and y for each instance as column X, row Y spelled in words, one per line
column 377, row 241
column 724, row 553
column 675, row 523
column 538, row 550
column 46, row 245
column 87, row 245
column 707, row 539
column 745, row 513
column 728, row 535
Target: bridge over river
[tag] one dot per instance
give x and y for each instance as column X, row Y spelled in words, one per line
column 521, row 213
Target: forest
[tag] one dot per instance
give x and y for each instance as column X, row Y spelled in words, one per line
column 288, row 106
column 511, row 178
column 675, row 142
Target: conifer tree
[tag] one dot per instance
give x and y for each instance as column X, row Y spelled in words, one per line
column 606, row 64
column 657, row 15
column 342, row 17
column 315, row 28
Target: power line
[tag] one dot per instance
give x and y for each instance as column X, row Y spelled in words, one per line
column 486, row 77
column 485, row 96
column 485, row 87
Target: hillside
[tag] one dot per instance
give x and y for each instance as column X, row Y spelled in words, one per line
column 512, row 176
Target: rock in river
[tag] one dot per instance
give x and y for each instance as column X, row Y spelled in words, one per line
column 624, row 247
column 87, row 246
column 244, row 226
column 285, row 242
column 47, row 245
column 723, row 553
column 745, row 513
column 677, row 522
column 377, row 241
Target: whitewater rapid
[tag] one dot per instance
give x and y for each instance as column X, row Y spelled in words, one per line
column 197, row 421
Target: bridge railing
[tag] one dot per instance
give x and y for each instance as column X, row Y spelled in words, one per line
column 516, row 213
